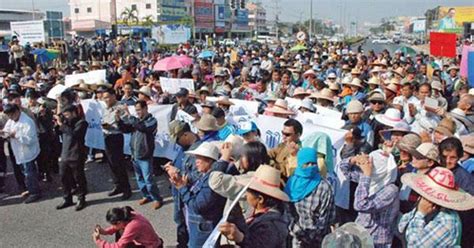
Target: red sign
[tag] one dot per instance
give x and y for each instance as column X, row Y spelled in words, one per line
column 443, row 44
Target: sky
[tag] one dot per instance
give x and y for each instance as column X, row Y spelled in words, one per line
column 340, row 11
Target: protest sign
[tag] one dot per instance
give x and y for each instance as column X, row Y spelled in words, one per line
column 443, row 44
column 240, row 107
column 28, row 31
column 91, row 77
column 56, row 91
column 464, row 62
column 94, row 137
column 321, row 120
column 172, row 85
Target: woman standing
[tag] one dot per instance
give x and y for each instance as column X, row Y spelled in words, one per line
column 268, row 225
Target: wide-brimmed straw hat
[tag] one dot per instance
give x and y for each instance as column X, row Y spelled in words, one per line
column 203, row 89
column 377, row 69
column 401, row 127
column 308, row 104
column 374, row 81
column 452, row 67
column 356, row 82
column 439, row 187
column 82, row 87
column 325, row 94
column 309, row 72
column 356, row 71
column 409, row 142
column 280, row 107
column 266, row 180
column 392, row 87
column 224, row 100
column 446, row 126
column 207, row 123
column 391, row 117
column 301, row 92
column 354, row 107
column 333, row 86
column 399, row 71
column 426, row 150
column 207, row 150
column 376, row 96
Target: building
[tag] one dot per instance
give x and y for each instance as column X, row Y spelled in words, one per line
column 257, row 18
column 11, row 15
column 90, row 15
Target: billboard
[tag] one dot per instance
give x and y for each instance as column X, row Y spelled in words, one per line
column 172, row 13
column 220, row 16
column 204, row 15
column 242, row 19
column 452, row 18
column 171, row 34
column 28, row 31
column 419, row 26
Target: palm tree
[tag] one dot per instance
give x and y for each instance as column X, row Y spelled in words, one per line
column 148, row 21
column 129, row 16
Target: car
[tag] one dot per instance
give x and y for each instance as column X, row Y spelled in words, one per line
column 227, row 42
column 382, row 40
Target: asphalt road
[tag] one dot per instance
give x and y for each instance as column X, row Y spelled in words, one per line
column 40, row 225
column 378, row 48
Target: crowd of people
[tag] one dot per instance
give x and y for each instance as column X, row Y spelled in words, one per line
column 403, row 177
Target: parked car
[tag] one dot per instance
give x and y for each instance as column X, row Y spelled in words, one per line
column 382, row 40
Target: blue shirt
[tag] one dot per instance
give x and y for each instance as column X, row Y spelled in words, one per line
column 225, row 131
column 468, row 165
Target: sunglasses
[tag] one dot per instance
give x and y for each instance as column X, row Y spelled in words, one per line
column 286, row 134
column 377, row 102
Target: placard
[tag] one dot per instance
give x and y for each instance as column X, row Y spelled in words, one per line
column 172, row 85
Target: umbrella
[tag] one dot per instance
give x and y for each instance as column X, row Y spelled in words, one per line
column 171, row 63
column 206, row 54
column 407, row 50
column 298, row 48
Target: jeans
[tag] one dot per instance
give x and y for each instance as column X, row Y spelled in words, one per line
column 31, row 177
column 146, row 184
column 179, row 219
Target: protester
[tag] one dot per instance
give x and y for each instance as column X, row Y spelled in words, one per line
column 135, row 230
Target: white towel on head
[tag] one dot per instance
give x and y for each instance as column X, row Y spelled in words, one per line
column 384, row 170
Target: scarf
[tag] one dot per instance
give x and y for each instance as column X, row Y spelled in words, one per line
column 302, row 183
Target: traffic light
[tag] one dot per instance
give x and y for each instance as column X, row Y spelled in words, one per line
column 242, row 4
column 233, row 4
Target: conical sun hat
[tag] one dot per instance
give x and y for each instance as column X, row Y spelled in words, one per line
column 266, row 180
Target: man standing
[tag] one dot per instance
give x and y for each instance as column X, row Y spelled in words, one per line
column 142, row 144
column 114, row 145
column 21, row 130
column 182, row 102
column 73, row 156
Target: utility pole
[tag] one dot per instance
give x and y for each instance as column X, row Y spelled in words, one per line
column 193, row 20
column 310, row 19
column 277, row 19
column 33, row 9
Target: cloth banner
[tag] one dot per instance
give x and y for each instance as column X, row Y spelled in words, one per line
column 470, row 76
column 443, row 44
column 240, row 107
column 91, row 77
column 94, row 110
column 172, row 85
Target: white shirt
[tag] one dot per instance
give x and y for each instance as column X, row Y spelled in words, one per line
column 25, row 145
column 402, row 101
column 266, row 65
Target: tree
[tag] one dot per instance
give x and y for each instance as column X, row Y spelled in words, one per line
column 148, row 21
column 129, row 16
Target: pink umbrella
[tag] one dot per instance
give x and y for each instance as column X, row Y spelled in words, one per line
column 171, row 63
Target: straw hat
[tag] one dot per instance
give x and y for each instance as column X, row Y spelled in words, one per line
column 446, row 126
column 399, row 71
column 379, row 63
column 175, row 127
column 402, row 127
column 439, row 187
column 207, row 123
column 395, row 81
column 308, row 104
column 346, row 81
column 224, row 100
column 207, row 150
column 266, row 180
column 392, row 87
column 356, row 71
column 377, row 69
column 356, row 82
column 468, row 143
column 390, row 118
column 333, row 86
column 453, row 67
column 208, row 104
column 82, row 87
column 203, row 89
column 436, row 85
column 354, row 107
column 309, row 72
column 374, row 81
column 300, row 92
column 145, row 90
column 102, row 83
column 409, row 142
column 280, row 107
column 325, row 94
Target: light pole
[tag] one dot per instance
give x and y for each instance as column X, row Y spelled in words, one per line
column 310, row 19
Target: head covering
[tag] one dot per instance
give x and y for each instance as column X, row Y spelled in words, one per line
column 224, row 100
column 468, row 143
column 175, row 127
column 354, row 107
column 374, row 81
column 376, row 96
column 409, row 142
column 207, row 123
column 308, row 104
column 182, row 92
column 304, row 180
column 384, row 171
column 301, row 92
column 265, row 180
column 321, row 142
column 280, row 107
column 390, row 118
column 426, row 150
column 356, row 82
column 439, row 187
column 392, row 87
column 349, row 235
column 245, row 127
column 309, row 72
column 145, row 90
column 402, row 127
column 207, row 150
column 446, row 126
column 437, row 85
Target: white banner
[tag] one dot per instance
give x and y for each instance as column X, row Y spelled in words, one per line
column 95, row 138
column 172, row 85
column 240, row 107
column 28, row 31
column 56, row 91
column 171, row 34
column 91, row 77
